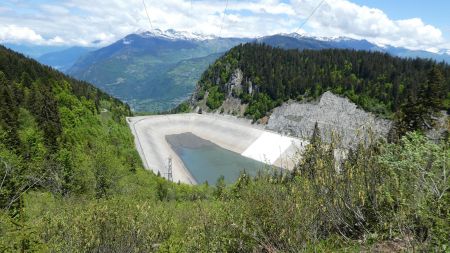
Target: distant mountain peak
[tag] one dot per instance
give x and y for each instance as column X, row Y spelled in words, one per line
column 172, row 34
column 444, row 51
column 320, row 38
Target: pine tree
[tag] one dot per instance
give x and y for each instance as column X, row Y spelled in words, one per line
column 433, row 93
column 45, row 108
column 413, row 116
column 312, row 154
column 220, row 187
column 316, row 137
column 26, row 80
column 8, row 112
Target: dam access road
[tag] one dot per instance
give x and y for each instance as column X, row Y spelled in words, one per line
column 228, row 132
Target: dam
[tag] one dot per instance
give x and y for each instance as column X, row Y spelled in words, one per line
column 185, row 138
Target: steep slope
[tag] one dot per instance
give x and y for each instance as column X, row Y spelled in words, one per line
column 144, row 69
column 334, row 116
column 64, row 59
column 58, row 134
column 375, row 81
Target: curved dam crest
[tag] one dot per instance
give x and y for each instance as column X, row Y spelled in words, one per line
column 233, row 134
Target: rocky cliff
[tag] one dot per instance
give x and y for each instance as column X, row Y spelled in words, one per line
column 334, row 115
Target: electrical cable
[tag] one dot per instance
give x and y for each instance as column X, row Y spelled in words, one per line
column 148, row 16
column 223, row 18
column 221, row 26
column 310, row 15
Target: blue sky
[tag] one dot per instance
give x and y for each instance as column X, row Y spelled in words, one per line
column 434, row 12
column 413, row 24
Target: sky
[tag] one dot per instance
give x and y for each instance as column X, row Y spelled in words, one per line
column 414, row 24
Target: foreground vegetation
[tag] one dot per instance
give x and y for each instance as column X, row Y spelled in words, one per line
column 71, row 181
column 387, row 194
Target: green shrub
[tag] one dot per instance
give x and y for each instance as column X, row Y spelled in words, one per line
column 215, row 98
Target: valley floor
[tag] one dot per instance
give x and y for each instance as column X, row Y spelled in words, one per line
column 237, row 135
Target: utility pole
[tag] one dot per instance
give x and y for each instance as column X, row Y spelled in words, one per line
column 169, row 169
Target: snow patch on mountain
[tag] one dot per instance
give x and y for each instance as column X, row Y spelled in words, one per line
column 171, row 34
column 126, row 42
column 319, row 38
column 444, row 51
column 377, row 45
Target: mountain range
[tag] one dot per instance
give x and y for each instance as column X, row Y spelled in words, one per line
column 297, row 41
column 156, row 70
column 64, row 59
column 152, row 71
column 32, row 50
column 58, row 57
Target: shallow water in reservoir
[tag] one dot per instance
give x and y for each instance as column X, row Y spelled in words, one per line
column 207, row 161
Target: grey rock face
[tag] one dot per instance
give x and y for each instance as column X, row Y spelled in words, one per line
column 235, row 81
column 441, row 126
column 335, row 116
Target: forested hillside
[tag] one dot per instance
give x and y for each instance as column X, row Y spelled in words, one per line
column 60, row 139
column 57, row 133
column 375, row 81
column 71, row 181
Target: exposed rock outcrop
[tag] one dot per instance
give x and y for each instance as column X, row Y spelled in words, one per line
column 441, row 127
column 235, row 83
column 335, row 116
column 232, row 104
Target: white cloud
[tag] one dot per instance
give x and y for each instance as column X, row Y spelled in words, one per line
column 13, row 33
column 56, row 40
column 344, row 18
column 20, row 34
column 81, row 22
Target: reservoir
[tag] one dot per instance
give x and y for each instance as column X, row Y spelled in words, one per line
column 207, row 161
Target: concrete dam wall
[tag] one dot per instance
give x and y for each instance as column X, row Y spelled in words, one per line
column 237, row 135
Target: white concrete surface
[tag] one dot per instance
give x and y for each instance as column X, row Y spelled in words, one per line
column 228, row 132
column 269, row 147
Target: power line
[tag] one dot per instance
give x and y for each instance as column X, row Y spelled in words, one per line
column 310, row 15
column 223, row 18
column 149, row 20
column 221, row 26
column 190, row 15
